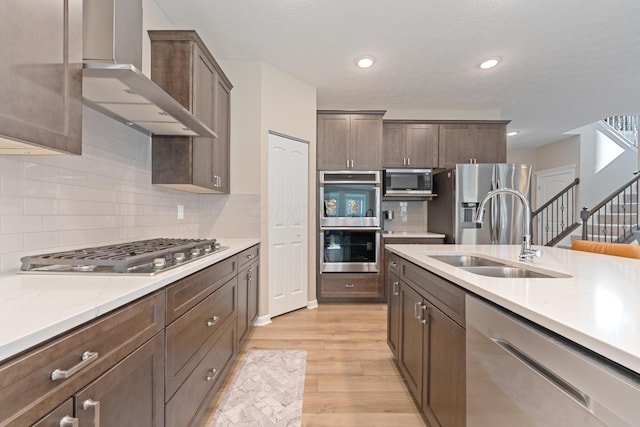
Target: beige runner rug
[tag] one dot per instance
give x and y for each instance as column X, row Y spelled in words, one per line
column 266, row 391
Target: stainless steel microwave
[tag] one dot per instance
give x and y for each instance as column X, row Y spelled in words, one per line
column 407, row 182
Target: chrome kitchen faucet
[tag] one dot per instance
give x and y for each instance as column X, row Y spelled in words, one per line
column 526, row 251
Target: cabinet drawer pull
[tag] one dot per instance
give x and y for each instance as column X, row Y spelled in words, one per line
column 88, row 357
column 250, row 256
column 212, row 374
column 213, row 321
column 68, row 421
column 349, row 285
column 393, row 264
column 95, row 405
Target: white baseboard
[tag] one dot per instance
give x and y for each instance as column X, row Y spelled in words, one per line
column 263, row 320
column 312, row 304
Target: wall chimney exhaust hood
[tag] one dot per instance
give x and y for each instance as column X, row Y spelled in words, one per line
column 112, row 82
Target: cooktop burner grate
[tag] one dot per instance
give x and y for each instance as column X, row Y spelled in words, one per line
column 143, row 257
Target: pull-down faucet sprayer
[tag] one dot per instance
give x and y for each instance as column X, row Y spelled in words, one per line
column 526, row 251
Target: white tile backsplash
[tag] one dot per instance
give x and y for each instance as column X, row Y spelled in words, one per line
column 53, row 203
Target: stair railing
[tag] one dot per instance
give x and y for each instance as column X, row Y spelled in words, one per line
column 615, row 219
column 627, row 126
column 557, row 218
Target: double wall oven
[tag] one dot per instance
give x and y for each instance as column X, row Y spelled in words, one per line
column 349, row 221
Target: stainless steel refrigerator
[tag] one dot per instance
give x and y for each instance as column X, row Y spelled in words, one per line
column 459, row 193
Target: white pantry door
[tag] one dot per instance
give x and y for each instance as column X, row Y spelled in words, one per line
column 288, row 224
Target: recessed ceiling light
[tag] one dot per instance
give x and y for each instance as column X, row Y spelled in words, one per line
column 489, row 63
column 513, row 133
column 364, row 61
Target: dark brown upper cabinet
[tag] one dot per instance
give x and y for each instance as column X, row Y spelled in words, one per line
column 409, row 145
column 183, row 66
column 349, row 140
column 41, row 77
column 464, row 142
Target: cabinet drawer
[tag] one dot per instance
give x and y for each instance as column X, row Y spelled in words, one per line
column 393, row 263
column 351, row 286
column 190, row 335
column 186, row 406
column 186, row 293
column 27, row 391
column 248, row 255
column 445, row 295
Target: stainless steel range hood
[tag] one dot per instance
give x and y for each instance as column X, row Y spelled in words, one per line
column 112, row 82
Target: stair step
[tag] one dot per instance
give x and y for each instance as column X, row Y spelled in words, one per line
column 618, row 218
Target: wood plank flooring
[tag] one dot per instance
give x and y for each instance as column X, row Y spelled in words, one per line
column 351, row 379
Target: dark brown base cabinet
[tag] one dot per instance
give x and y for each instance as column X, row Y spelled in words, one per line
column 351, row 287
column 426, row 333
column 160, row 360
column 248, row 292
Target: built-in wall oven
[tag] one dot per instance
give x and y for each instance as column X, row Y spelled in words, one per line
column 347, row 250
column 350, row 198
column 349, row 221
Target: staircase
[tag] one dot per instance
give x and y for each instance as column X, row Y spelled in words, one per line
column 615, row 219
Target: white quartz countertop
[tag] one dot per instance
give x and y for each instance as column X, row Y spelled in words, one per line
column 37, row 307
column 598, row 306
column 412, row 234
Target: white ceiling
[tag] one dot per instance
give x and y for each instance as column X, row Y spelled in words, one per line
column 565, row 63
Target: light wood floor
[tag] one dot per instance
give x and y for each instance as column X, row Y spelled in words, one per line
column 351, row 379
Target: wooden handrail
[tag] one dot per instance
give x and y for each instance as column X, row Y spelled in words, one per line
column 613, row 195
column 556, row 197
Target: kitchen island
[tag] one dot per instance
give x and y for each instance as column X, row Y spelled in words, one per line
column 586, row 302
column 597, row 307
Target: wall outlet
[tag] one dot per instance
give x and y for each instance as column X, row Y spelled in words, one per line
column 180, row 211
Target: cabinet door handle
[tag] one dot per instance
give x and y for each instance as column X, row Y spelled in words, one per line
column 425, row 314
column 95, row 405
column 349, row 285
column 212, row 374
column 396, row 288
column 408, row 161
column 417, row 310
column 347, row 164
column 351, row 163
column 87, row 358
column 68, row 421
column 213, row 321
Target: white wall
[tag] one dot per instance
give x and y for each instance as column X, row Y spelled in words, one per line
column 263, row 99
column 597, row 182
column 289, row 108
column 522, row 155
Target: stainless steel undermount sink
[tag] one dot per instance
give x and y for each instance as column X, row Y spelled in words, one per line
column 488, row 267
column 466, row 260
column 508, row 272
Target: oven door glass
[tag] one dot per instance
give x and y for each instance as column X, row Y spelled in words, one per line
column 350, row 205
column 355, row 250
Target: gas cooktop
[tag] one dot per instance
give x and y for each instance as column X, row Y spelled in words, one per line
column 144, row 257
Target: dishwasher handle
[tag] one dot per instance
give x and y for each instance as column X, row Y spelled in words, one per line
column 569, row 389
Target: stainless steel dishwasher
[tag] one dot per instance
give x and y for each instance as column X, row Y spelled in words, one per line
column 519, row 374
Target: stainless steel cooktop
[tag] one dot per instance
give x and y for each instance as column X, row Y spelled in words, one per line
column 144, row 257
